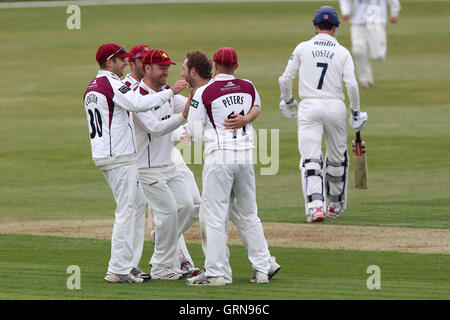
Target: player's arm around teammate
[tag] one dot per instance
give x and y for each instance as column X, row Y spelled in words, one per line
column 107, row 102
column 163, row 185
column 228, row 170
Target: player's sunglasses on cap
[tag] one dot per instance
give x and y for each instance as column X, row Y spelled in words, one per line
column 138, row 55
column 121, row 50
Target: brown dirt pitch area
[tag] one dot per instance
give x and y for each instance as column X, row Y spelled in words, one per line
column 293, row 235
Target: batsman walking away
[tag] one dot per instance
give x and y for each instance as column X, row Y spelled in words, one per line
column 322, row 66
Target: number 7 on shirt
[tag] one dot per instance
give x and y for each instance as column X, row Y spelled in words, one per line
column 324, row 70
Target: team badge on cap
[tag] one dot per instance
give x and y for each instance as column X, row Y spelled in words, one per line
column 157, row 57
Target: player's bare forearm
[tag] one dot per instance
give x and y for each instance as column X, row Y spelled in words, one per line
column 238, row 121
column 185, row 112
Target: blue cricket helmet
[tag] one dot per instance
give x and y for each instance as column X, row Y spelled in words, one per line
column 326, row 13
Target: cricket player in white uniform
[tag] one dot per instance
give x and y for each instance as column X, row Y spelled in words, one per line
column 137, row 53
column 228, row 169
column 323, row 66
column 108, row 103
column 368, row 32
column 132, row 80
column 196, row 70
column 161, row 180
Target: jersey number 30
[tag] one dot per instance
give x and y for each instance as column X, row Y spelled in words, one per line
column 95, row 120
column 324, row 70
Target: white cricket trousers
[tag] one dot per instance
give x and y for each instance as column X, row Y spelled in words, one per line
column 124, row 185
column 222, row 183
column 191, row 185
column 139, row 229
column 177, row 158
column 172, row 208
column 367, row 42
column 318, row 118
column 189, row 178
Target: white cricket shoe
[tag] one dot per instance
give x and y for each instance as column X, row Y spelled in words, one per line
column 315, row 214
column 202, row 280
column 334, row 209
column 117, row 278
column 274, row 268
column 259, row 277
column 167, row 274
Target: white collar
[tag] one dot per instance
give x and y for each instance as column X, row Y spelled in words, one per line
column 131, row 78
column 146, row 87
column 107, row 73
column 143, row 85
column 325, row 36
column 223, row 76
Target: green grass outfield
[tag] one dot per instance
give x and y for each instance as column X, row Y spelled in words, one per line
column 46, row 171
column 306, row 274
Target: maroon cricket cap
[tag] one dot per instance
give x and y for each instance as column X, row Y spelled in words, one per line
column 110, row 50
column 138, row 51
column 157, row 57
column 226, row 56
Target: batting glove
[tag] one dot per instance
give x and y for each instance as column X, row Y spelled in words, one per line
column 289, row 109
column 358, row 120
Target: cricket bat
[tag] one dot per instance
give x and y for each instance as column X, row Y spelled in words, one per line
column 359, row 162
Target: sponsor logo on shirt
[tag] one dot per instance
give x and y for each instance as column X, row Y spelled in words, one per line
column 230, row 86
column 194, row 103
column 91, row 98
column 124, row 89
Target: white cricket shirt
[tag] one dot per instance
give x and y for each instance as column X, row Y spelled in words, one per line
column 369, row 11
column 154, row 127
column 323, row 66
column 215, row 102
column 130, row 81
column 107, row 103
